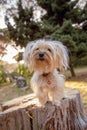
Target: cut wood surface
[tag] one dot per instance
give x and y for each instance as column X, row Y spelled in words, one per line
column 24, row 113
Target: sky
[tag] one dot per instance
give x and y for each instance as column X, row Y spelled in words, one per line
column 11, row 52
column 2, row 22
column 10, row 3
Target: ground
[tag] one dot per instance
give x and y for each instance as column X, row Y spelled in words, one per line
column 79, row 82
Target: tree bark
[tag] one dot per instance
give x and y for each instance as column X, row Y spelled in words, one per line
column 71, row 68
column 24, row 113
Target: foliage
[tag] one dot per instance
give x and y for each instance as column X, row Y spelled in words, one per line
column 25, row 28
column 79, row 62
column 60, row 18
column 23, row 71
column 3, row 76
column 18, row 57
column 58, row 11
column 4, row 41
column 64, row 34
column 75, row 39
column 63, row 20
column 82, row 50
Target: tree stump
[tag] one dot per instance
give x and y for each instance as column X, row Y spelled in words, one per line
column 24, row 113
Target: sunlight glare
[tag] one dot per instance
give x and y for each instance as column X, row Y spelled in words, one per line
column 11, row 52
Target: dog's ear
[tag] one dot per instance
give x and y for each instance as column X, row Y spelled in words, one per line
column 62, row 58
column 26, row 54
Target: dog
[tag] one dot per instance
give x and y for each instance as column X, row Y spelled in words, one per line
column 45, row 58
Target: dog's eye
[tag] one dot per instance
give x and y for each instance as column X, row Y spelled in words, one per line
column 49, row 49
column 37, row 48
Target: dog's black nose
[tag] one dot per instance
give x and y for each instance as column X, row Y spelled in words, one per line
column 41, row 54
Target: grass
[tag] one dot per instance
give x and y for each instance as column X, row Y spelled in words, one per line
column 11, row 91
column 79, row 82
column 81, row 69
column 81, row 86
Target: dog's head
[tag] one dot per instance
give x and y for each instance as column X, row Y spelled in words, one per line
column 46, row 55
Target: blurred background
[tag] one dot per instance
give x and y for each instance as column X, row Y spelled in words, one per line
column 22, row 21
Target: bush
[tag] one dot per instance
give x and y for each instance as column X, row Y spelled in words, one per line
column 23, row 71
column 3, row 75
column 82, row 50
column 79, row 61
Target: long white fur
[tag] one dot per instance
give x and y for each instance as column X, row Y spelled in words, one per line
column 51, row 86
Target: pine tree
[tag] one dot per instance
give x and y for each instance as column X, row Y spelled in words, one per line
column 61, row 15
column 59, row 10
column 56, row 23
column 25, row 28
column 58, row 20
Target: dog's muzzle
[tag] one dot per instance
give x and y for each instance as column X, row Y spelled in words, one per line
column 41, row 55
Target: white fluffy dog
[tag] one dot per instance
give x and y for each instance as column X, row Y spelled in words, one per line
column 44, row 57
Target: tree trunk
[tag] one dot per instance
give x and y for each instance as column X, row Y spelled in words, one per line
column 24, row 113
column 71, row 68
